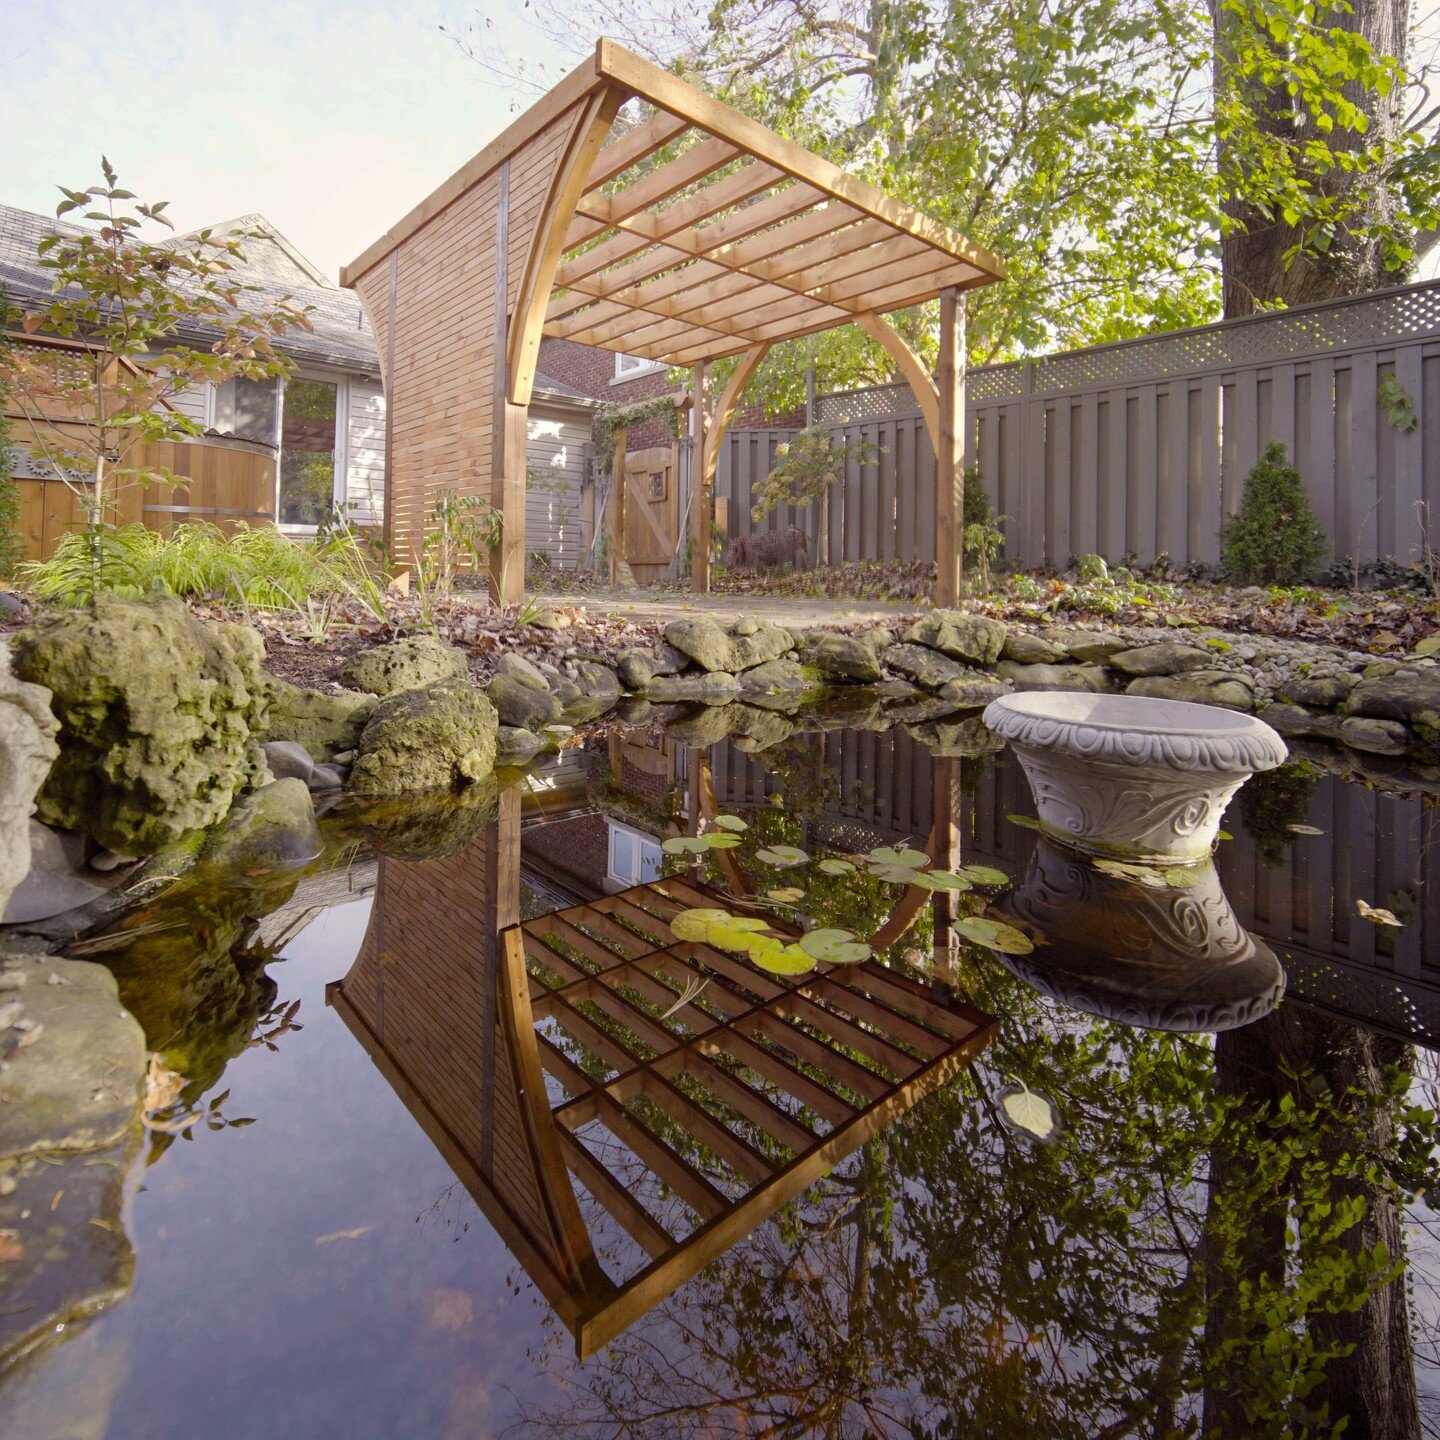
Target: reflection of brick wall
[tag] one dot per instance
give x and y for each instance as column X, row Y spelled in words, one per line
column 654, row 789
column 576, row 849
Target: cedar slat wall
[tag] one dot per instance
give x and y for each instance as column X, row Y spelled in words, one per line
column 440, row 396
column 229, row 486
column 1142, row 448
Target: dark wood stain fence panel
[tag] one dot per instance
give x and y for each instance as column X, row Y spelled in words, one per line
column 1141, row 448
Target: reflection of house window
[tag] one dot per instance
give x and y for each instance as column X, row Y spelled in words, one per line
column 634, row 856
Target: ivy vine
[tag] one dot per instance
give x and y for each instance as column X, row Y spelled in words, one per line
column 615, row 418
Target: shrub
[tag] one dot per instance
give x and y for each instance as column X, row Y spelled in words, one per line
column 1274, row 537
column 259, row 567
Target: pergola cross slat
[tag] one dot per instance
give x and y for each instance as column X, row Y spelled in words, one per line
column 693, row 237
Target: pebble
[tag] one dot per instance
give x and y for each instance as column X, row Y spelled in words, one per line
column 107, row 860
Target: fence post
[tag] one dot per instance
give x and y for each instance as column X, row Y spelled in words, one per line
column 1025, row 549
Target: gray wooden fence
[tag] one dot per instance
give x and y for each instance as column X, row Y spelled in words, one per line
column 1142, row 447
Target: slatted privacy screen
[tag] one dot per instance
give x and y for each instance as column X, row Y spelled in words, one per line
column 1142, row 448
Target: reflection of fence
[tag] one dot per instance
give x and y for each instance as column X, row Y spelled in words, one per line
column 227, row 482
column 1141, row 447
column 1374, row 847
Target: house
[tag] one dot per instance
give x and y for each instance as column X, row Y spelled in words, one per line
column 325, row 423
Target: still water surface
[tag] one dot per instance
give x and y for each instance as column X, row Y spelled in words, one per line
column 1222, row 1236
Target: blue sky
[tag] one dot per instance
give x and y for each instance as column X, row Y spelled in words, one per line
column 331, row 120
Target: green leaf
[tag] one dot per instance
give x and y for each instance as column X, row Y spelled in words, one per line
column 834, row 947
column 737, row 933
column 720, row 840
column 983, row 875
column 683, row 845
column 836, row 867
column 908, row 859
column 779, row 958
column 993, row 935
column 1025, row 822
column 731, row 822
column 941, row 880
column 782, row 857
column 1179, row 878
column 786, row 894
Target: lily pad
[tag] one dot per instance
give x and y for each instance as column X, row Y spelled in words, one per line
column 1137, row 874
column 1180, row 878
column 731, row 822
column 907, row 859
column 834, row 947
column 1025, row 822
column 983, row 875
column 720, row 840
column 684, row 845
column 834, row 866
column 786, row 894
column 941, row 880
column 994, row 936
column 782, row 857
column 896, row 874
column 737, row 933
column 779, row 958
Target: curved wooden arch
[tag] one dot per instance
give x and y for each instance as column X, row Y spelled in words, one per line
column 912, row 370
column 711, row 431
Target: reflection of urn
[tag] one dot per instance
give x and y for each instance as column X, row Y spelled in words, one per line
column 1122, row 775
column 1152, row 956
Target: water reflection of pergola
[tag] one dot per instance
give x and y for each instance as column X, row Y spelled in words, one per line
column 695, row 237
column 539, row 1059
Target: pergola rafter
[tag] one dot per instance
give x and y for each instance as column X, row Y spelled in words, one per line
column 694, row 237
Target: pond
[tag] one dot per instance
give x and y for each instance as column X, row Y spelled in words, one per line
column 459, row 1174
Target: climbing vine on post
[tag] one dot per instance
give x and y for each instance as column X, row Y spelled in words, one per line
column 615, row 418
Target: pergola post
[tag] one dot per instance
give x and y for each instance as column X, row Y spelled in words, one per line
column 617, row 503
column 702, row 492
column 950, row 452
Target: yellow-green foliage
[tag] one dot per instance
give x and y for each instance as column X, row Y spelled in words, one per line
column 261, row 567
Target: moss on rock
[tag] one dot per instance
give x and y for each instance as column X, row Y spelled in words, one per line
column 405, row 665
column 439, row 738
column 323, row 723
column 157, row 711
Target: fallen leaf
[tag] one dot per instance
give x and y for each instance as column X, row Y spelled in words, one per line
column 1376, row 916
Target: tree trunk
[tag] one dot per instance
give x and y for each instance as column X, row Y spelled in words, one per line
column 1253, row 264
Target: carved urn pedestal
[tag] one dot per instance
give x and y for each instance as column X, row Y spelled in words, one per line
column 1131, row 778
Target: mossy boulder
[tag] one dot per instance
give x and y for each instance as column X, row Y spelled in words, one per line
column 441, row 737
column 975, row 638
column 745, row 645
column 841, row 657
column 1200, row 687
column 272, row 828
column 324, row 723
column 408, row 664
column 27, row 751
column 521, row 706
column 159, row 719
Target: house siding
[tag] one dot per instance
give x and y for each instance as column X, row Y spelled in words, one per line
column 365, row 452
column 556, row 443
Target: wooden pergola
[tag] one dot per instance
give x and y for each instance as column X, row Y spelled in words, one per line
column 738, row 241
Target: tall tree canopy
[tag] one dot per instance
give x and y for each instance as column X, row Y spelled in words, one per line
column 1120, row 154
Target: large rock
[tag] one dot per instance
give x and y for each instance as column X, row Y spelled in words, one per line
column 322, row 722
column 527, row 672
column 404, row 665
column 975, row 638
column 712, row 648
column 439, row 738
column 521, row 706
column 76, row 1086
column 58, row 880
column 1092, row 678
column 1089, row 647
column 27, row 751
column 923, row 665
column 637, row 667
column 159, row 715
column 973, row 689
column 957, row 740
column 1376, row 737
column 597, row 682
column 1026, row 648
column 516, row 747
column 1164, row 658
column 1412, row 696
column 776, row 677
column 1200, row 687
column 841, row 657
column 703, row 687
column 1295, row 721
column 272, row 828
column 1322, row 692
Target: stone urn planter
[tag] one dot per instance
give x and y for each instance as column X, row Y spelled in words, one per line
column 1129, row 777
column 1151, row 956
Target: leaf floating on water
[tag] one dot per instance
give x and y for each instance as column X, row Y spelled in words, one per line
column 983, row 875
column 1181, row 879
column 836, row 867
column 1026, row 822
column 1223, row 835
column 779, row 958
column 683, row 845
column 994, row 935
column 1376, row 916
column 896, row 874
column 731, row 822
column 721, row 840
column 1304, row 830
column 718, row 928
column 782, row 857
column 907, row 859
column 941, row 880
column 1029, row 1112
column 693, row 986
column 786, row 894
column 834, row 947
column 1138, row 874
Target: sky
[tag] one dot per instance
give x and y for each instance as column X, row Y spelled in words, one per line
column 330, row 120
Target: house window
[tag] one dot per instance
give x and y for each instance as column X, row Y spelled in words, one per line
column 634, row 857
column 248, row 409
column 627, row 367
